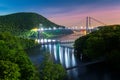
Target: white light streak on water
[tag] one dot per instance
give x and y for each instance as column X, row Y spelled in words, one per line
column 55, row 52
column 46, row 46
column 61, row 55
column 73, row 60
column 68, row 52
column 50, row 49
column 66, row 58
column 42, row 46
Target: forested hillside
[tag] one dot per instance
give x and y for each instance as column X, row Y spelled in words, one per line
column 21, row 23
column 103, row 43
column 14, row 62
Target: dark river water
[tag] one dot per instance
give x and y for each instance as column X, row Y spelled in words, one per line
column 65, row 56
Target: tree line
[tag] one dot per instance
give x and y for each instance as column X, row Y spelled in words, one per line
column 14, row 62
column 20, row 23
column 16, row 65
column 104, row 42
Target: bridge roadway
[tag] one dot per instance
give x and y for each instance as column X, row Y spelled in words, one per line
column 65, row 39
column 53, row 29
column 57, row 41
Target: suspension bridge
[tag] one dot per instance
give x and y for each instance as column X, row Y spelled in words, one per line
column 87, row 25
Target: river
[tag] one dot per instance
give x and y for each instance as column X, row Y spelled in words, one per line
column 65, row 56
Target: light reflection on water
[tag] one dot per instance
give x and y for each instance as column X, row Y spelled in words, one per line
column 66, row 57
column 62, row 55
column 55, row 52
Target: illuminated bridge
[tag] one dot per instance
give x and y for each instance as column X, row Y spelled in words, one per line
column 53, row 41
column 87, row 28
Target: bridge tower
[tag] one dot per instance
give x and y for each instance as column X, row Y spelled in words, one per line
column 39, row 31
column 88, row 24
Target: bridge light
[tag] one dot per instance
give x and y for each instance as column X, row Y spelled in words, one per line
column 38, row 41
column 45, row 29
column 41, row 40
column 42, row 29
column 45, row 40
column 75, row 27
column 59, row 28
column 49, row 40
column 92, row 27
column 49, row 28
column 53, row 40
column 81, row 27
column 34, row 29
column 54, row 28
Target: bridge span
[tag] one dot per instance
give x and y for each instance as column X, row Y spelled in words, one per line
column 53, row 41
column 87, row 28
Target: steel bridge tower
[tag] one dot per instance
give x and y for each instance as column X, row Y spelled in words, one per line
column 39, row 32
column 88, row 24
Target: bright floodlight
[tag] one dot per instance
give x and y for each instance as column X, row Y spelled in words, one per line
column 42, row 29
column 45, row 40
column 41, row 40
column 35, row 29
column 38, row 40
column 81, row 27
column 53, row 40
column 49, row 40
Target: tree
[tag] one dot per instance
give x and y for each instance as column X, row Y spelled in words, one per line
column 104, row 42
column 51, row 71
column 12, row 50
column 95, row 47
column 9, row 71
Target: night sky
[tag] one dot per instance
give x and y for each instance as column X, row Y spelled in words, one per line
column 66, row 12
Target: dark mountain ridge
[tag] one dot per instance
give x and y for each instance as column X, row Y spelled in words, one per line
column 18, row 23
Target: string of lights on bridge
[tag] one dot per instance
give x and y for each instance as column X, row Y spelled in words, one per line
column 66, row 28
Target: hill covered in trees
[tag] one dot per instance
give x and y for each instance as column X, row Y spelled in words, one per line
column 14, row 62
column 20, row 24
column 103, row 43
column 16, row 65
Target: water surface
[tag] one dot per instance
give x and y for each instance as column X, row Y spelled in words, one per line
column 65, row 56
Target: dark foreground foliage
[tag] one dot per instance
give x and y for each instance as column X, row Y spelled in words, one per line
column 51, row 71
column 14, row 62
column 16, row 65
